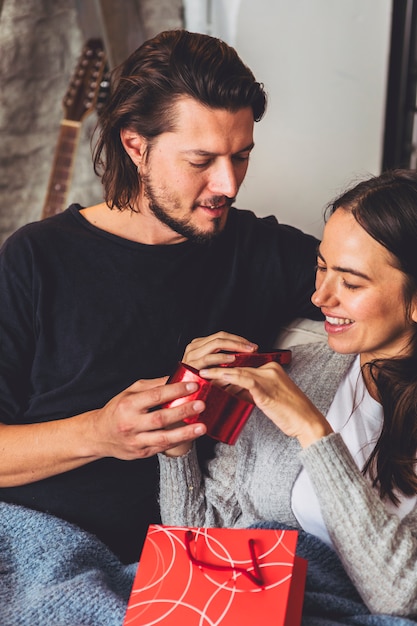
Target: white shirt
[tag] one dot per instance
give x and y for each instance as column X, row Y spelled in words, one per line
column 358, row 418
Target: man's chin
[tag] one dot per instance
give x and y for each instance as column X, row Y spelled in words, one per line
column 203, row 237
column 192, row 231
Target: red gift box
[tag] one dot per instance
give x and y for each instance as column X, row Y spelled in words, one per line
column 256, row 359
column 225, row 414
column 217, row 576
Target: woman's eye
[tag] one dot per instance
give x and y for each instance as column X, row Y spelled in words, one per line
column 350, row 286
column 320, row 268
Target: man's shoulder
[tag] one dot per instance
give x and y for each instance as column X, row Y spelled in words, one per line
column 40, row 225
column 244, row 218
column 36, row 239
column 36, row 228
column 247, row 221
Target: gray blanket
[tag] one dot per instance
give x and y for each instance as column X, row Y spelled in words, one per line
column 330, row 597
column 52, row 573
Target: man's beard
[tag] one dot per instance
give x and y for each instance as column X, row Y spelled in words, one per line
column 182, row 227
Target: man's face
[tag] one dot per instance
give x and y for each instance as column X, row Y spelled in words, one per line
column 191, row 175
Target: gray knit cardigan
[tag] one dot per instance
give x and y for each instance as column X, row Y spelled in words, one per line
column 252, row 481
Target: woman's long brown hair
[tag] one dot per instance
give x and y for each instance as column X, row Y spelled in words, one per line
column 386, row 207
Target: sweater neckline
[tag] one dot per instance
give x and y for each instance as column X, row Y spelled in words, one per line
column 74, row 211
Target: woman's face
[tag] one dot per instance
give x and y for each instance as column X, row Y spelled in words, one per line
column 361, row 292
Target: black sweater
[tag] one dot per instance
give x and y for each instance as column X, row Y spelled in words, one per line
column 84, row 313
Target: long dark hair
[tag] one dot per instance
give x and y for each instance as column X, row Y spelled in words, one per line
column 386, row 208
column 145, row 88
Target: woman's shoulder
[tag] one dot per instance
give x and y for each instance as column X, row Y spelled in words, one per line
column 318, row 352
column 318, row 371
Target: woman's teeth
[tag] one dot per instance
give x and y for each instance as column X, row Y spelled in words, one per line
column 338, row 321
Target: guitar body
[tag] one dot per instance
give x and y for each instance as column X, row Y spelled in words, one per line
column 79, row 101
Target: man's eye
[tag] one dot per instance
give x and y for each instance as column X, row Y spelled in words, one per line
column 200, row 165
column 241, row 157
column 320, row 268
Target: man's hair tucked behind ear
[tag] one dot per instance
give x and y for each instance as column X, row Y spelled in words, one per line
column 147, row 85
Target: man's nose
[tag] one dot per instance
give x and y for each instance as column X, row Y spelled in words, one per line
column 224, row 181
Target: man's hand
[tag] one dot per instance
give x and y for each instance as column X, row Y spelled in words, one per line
column 132, row 425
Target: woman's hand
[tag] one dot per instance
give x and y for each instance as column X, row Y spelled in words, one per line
column 212, row 350
column 273, row 391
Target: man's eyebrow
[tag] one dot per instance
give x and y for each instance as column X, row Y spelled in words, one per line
column 206, row 153
column 344, row 270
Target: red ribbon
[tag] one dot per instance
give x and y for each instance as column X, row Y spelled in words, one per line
column 256, row 577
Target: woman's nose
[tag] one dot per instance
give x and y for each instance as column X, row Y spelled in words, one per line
column 315, row 299
column 324, row 295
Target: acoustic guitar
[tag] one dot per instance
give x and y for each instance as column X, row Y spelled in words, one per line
column 81, row 99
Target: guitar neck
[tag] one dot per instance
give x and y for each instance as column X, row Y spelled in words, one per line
column 79, row 101
column 61, row 172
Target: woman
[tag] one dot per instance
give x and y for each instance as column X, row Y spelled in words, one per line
column 331, row 447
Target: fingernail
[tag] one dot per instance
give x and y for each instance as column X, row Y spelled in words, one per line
column 198, row 405
column 203, row 372
column 192, row 386
column 198, row 430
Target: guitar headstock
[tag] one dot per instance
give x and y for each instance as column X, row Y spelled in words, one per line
column 104, row 91
column 85, row 83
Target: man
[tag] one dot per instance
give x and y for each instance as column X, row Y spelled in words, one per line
column 97, row 298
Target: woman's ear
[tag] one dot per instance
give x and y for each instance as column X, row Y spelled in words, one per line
column 414, row 308
column 135, row 145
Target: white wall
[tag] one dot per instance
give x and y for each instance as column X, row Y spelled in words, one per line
column 324, row 64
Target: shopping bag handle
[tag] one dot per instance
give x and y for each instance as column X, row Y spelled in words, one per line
column 256, row 577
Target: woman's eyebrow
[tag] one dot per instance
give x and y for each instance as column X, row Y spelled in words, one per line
column 344, row 270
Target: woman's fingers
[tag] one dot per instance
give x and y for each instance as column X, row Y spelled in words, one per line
column 212, row 350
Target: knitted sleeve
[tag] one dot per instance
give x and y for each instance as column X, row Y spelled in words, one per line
column 378, row 549
column 187, row 498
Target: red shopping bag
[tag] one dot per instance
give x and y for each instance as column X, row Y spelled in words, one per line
column 217, row 576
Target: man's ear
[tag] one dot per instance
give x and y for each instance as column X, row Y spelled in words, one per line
column 135, row 145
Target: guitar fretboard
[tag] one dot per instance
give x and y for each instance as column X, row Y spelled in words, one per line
column 62, row 168
column 80, row 99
